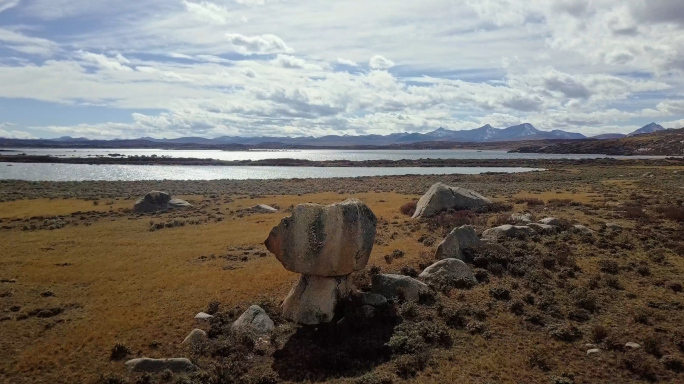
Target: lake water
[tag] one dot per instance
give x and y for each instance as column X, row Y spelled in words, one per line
column 81, row 172
column 308, row 154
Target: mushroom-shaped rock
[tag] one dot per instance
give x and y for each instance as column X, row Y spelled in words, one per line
column 313, row 299
column 441, row 197
column 459, row 239
column 146, row 364
column 325, row 240
column 452, row 269
column 507, row 230
column 194, row 337
column 391, row 286
column 256, row 320
column 158, row 201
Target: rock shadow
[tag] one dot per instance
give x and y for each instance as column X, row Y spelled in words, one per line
column 349, row 346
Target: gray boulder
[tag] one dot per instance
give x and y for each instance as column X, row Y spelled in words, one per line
column 452, row 269
column 203, row 316
column 373, row 299
column 313, row 299
column 390, row 285
column 194, row 337
column 325, row 240
column 458, row 240
column 158, row 201
column 507, row 230
column 146, row 364
column 255, row 319
column 441, row 197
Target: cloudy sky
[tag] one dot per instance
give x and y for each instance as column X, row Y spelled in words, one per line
column 170, row 68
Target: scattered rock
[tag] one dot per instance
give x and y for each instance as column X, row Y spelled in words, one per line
column 263, row 208
column 195, row 336
column 551, row 221
column 325, row 240
column 543, row 229
column 441, row 197
column 521, row 218
column 313, row 299
column 593, row 351
column 391, row 286
column 452, row 269
column 613, row 227
column 373, row 299
column 158, row 201
column 203, row 316
column 256, row 319
column 581, row 229
column 632, row 345
column 453, row 245
column 507, row 230
column 146, row 364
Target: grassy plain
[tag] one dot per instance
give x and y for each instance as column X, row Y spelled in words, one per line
column 117, row 281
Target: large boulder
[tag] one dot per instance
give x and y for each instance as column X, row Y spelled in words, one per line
column 441, row 197
column 507, row 230
column 255, row 319
column 392, row 286
column 448, row 269
column 325, row 240
column 146, row 364
column 158, row 201
column 313, row 299
column 459, row 239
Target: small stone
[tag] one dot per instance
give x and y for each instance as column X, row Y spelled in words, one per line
column 452, row 269
column 521, row 218
column 593, row 351
column 390, row 285
column 632, row 345
column 256, row 319
column 373, row 299
column 195, row 336
column 550, row 221
column 146, row 364
column 263, row 208
column 581, row 229
column 456, row 242
column 203, row 316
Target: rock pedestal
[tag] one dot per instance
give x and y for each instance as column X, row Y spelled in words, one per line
column 324, row 243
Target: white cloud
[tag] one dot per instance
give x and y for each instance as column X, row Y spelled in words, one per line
column 208, row 12
column 263, row 44
column 20, row 42
column 348, row 62
column 379, row 62
column 7, row 4
column 7, row 132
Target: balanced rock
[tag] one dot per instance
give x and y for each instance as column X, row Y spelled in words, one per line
column 158, row 201
column 451, row 269
column 456, row 242
column 313, row 299
column 441, row 197
column 325, row 240
column 146, row 364
column 256, row 320
column 195, row 336
column 507, row 230
column 392, row 286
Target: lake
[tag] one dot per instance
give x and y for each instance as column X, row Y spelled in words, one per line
column 81, row 172
column 308, row 154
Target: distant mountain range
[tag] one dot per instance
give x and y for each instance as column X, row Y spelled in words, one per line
column 484, row 134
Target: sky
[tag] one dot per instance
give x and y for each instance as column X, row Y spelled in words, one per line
column 171, row 68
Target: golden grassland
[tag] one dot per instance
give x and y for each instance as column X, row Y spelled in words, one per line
column 119, row 282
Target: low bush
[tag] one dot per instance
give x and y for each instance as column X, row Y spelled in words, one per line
column 409, row 208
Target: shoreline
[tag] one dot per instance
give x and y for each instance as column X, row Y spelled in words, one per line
column 286, row 162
